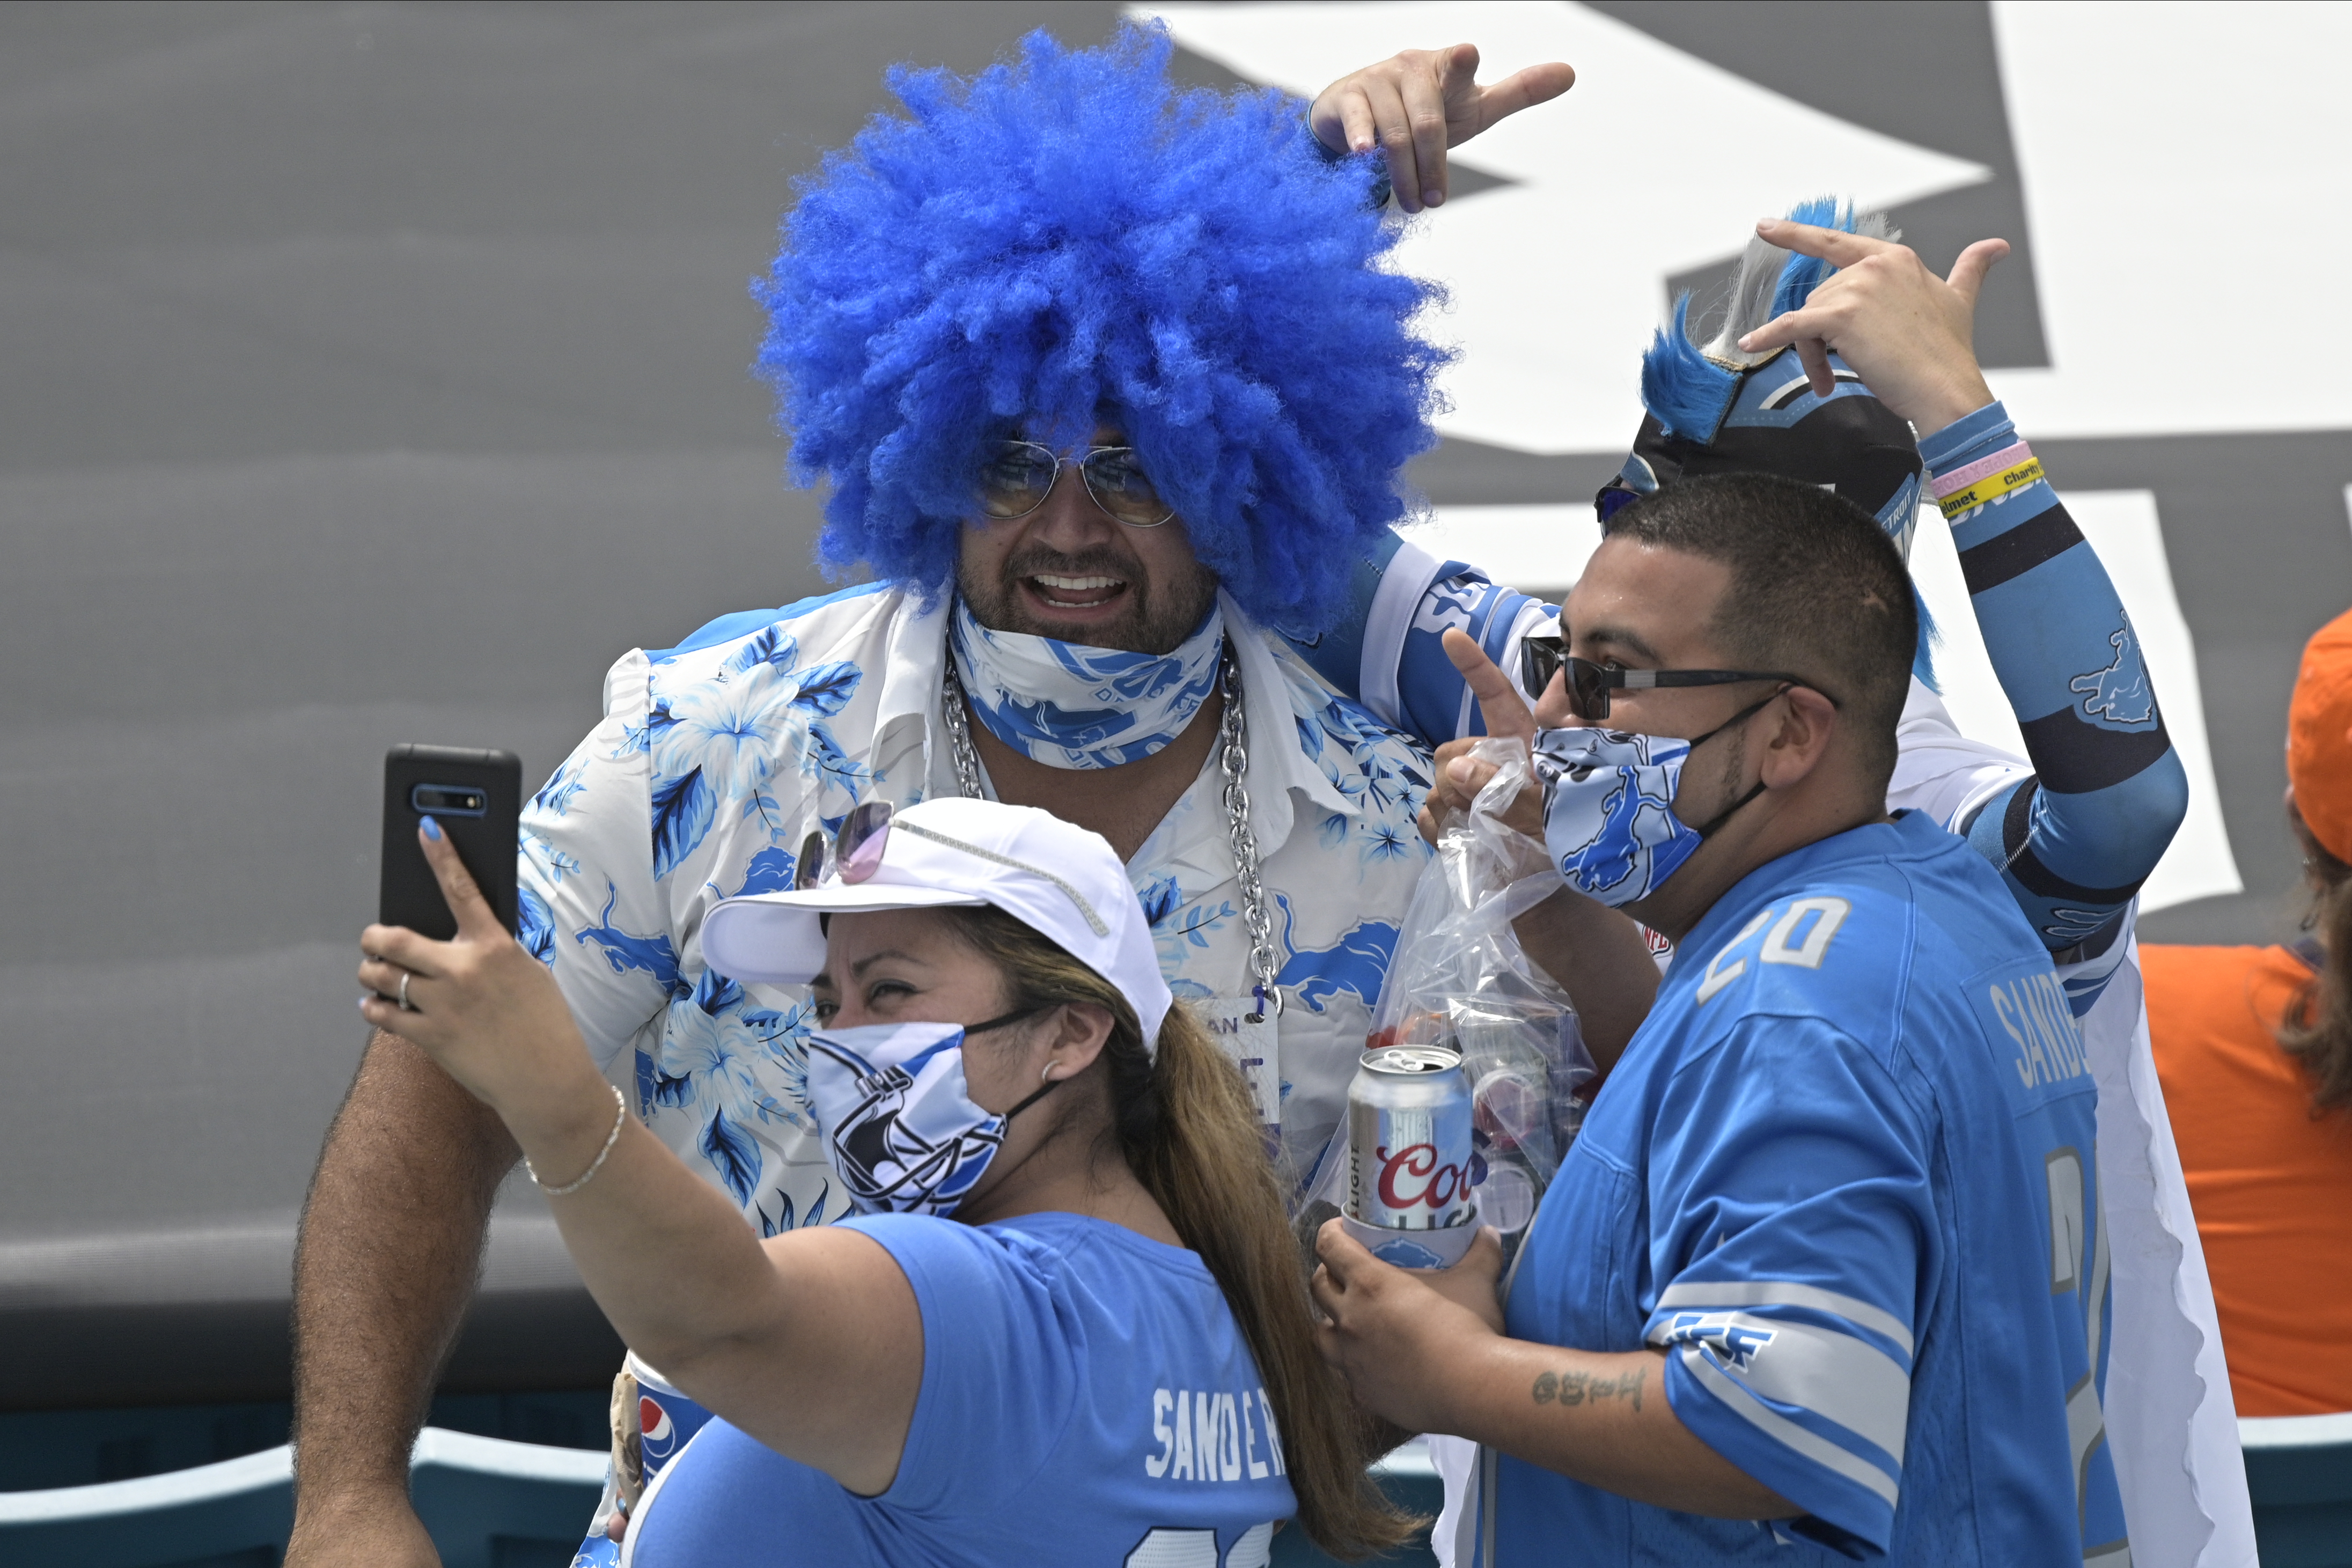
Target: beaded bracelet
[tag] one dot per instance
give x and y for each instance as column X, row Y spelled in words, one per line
column 620, row 1119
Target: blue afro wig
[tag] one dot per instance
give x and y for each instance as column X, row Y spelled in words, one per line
column 1069, row 238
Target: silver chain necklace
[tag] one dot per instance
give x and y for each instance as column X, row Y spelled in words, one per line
column 1233, row 761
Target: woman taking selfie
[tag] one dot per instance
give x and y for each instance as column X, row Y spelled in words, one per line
column 1068, row 1324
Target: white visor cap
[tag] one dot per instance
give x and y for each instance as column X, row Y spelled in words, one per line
column 1060, row 881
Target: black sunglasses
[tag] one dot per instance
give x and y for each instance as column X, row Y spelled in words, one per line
column 1590, row 684
column 1612, row 498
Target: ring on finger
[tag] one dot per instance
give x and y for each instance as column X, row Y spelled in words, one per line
column 405, row 1006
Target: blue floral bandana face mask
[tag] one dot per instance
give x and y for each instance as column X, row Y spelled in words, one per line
column 899, row 1130
column 1070, row 706
column 1609, row 807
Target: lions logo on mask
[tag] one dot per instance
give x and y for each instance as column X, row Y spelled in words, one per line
column 1609, row 810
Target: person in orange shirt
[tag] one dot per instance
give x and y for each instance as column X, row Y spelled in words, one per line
column 2254, row 1049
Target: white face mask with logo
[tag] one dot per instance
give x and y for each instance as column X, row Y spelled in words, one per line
column 900, row 1129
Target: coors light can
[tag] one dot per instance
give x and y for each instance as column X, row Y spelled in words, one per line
column 1409, row 1140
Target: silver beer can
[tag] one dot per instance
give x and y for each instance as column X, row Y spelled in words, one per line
column 1409, row 1150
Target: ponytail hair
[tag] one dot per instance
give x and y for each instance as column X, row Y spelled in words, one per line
column 1187, row 1128
column 2317, row 1028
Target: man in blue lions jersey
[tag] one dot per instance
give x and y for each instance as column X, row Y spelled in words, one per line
column 1813, row 1279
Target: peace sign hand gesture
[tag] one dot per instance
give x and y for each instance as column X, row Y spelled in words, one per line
column 1457, row 776
column 1599, row 956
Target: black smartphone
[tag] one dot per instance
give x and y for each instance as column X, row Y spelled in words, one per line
column 477, row 798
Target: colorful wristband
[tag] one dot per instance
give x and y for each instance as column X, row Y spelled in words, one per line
column 1991, row 487
column 1961, row 478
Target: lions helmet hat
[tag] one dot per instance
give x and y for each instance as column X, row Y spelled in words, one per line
column 1719, row 409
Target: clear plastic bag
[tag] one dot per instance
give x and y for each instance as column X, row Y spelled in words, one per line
column 1461, row 981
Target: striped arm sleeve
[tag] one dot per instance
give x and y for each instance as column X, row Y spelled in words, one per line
column 1385, row 648
column 2075, row 840
column 1435, row 698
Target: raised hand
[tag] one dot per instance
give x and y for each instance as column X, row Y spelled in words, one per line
column 487, row 1011
column 1597, row 953
column 1417, row 104
column 1909, row 334
column 1457, row 776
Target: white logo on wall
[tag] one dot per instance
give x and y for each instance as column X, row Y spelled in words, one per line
column 1555, row 278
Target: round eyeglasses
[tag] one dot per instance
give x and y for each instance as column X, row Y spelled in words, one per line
column 1016, row 476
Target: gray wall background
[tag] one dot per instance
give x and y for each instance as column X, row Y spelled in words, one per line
column 376, row 373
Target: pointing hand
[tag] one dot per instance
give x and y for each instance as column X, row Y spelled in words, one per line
column 1906, row 332
column 1421, row 102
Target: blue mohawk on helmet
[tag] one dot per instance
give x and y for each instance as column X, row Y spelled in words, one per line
column 1690, row 388
column 1800, row 274
column 1067, row 239
column 1689, row 392
column 1717, row 410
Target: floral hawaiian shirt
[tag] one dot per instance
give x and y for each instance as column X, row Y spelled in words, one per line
column 714, row 760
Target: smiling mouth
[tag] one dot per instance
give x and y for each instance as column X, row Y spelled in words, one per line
column 1064, row 593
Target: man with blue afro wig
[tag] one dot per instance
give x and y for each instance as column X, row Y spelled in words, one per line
column 1071, row 241
column 1105, row 376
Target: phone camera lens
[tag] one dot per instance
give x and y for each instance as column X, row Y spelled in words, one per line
column 450, row 799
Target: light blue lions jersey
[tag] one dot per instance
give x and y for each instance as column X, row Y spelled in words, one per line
column 1086, row 1400
column 1843, row 1176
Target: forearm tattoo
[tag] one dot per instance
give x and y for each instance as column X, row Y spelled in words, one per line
column 1577, row 1387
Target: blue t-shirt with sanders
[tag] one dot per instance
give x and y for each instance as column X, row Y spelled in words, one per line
column 1086, row 1399
column 1844, row 1177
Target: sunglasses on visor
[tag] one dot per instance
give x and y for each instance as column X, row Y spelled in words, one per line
column 1590, row 684
column 853, row 854
column 1016, row 476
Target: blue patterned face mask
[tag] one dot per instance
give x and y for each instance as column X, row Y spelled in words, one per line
column 898, row 1128
column 1070, row 706
column 1609, row 807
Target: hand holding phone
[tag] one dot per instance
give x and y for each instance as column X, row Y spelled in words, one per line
column 476, row 799
column 488, row 1012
